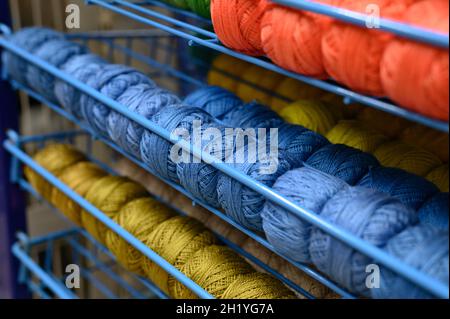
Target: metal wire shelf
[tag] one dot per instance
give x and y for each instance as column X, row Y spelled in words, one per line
column 377, row 254
column 147, row 15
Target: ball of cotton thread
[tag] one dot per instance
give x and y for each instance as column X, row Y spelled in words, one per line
column 252, row 115
column 435, row 211
column 440, row 177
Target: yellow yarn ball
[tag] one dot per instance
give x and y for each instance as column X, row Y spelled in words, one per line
column 352, row 133
column 312, row 114
column 230, row 65
column 293, row 90
column 431, row 140
column 54, row 158
column 79, row 177
column 382, row 122
column 214, row 268
column 139, row 217
column 175, row 240
column 409, row 158
column 257, row 286
column 440, row 176
column 259, row 77
column 109, row 194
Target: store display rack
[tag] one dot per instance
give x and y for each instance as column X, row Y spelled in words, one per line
column 182, row 30
column 195, row 33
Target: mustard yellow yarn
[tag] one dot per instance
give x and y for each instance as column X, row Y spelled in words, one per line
column 431, row 140
column 54, row 158
column 409, row 158
column 440, row 176
column 313, row 115
column 263, row 79
column 214, row 268
column 79, row 177
column 293, row 90
column 257, row 286
column 230, row 65
column 109, row 194
column 176, row 240
column 382, row 122
column 353, row 134
column 139, row 217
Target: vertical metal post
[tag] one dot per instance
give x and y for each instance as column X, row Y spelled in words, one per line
column 12, row 200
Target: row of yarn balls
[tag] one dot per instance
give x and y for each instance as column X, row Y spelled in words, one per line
column 394, row 141
column 367, row 60
column 382, row 203
column 181, row 241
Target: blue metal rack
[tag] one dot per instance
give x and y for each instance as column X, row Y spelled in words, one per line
column 139, row 11
column 377, row 254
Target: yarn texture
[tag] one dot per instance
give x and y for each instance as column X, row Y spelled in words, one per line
column 440, row 177
column 434, row 212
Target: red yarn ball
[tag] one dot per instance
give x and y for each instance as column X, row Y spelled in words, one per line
column 416, row 75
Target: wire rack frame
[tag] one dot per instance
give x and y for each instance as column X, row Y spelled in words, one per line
column 410, row 273
column 151, row 17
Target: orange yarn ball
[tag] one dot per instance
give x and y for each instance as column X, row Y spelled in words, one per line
column 415, row 75
column 237, row 23
column 352, row 54
column 292, row 39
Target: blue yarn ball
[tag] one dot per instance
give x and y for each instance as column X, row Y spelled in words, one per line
column 435, row 211
column 83, row 68
column 213, row 99
column 145, row 100
column 344, row 162
column 201, row 178
column 156, row 151
column 112, row 81
column 370, row 215
column 252, row 115
column 56, row 52
column 29, row 39
column 423, row 247
column 297, row 143
column 309, row 189
column 410, row 189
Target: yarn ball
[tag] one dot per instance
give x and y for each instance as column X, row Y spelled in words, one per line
column 29, row 39
column 252, row 115
column 55, row 158
column 173, row 119
column 56, row 52
column 312, row 114
column 308, row 188
column 354, row 134
column 370, row 215
column 109, row 194
column 410, row 189
column 257, row 285
column 226, row 72
column 387, row 124
column 439, row 177
column 435, row 211
column 257, row 84
column 293, row 90
column 416, row 75
column 341, row 161
column 407, row 157
column 139, row 217
column 292, row 39
column 145, row 100
column 175, row 240
column 78, row 177
column 201, row 7
column 83, row 68
column 112, row 81
column 352, row 54
column 428, row 139
column 423, row 247
column 214, row 268
column 237, row 23
column 213, row 99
